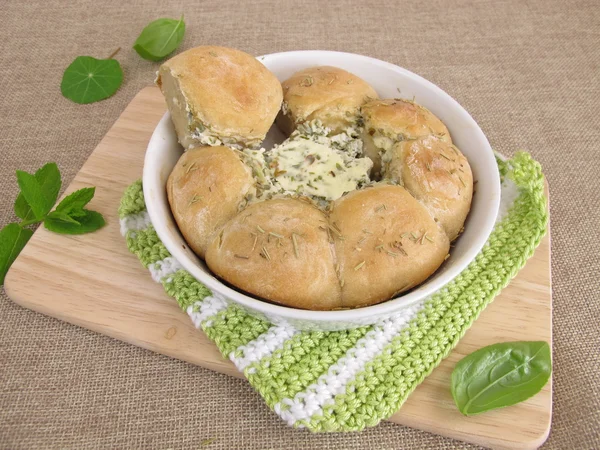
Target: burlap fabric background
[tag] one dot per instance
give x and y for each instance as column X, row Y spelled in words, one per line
column 527, row 71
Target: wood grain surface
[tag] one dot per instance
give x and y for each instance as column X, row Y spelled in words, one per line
column 94, row 282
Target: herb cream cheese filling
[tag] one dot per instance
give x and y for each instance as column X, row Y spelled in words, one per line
column 310, row 164
column 203, row 134
column 317, row 170
column 348, row 140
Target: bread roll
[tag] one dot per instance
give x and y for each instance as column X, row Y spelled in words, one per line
column 377, row 243
column 252, row 214
column 219, row 95
column 438, row 175
column 277, row 250
column 205, row 189
column 329, row 94
column 388, row 244
column 392, row 120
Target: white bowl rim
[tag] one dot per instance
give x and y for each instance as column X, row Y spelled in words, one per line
column 387, row 307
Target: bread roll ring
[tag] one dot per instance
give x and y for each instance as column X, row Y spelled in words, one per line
column 357, row 206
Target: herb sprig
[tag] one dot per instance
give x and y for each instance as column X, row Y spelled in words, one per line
column 33, row 205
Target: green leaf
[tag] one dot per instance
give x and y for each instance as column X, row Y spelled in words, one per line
column 39, row 202
column 12, row 240
column 74, row 202
column 500, row 375
column 77, row 213
column 61, row 215
column 22, row 209
column 89, row 80
column 91, row 221
column 48, row 177
column 160, row 38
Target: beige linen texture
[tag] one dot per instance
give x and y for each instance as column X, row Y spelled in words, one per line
column 528, row 72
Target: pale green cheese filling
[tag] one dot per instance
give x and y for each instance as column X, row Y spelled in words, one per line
column 311, row 168
column 309, row 163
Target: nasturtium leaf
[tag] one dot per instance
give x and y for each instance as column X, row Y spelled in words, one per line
column 89, row 80
column 48, row 177
column 500, row 375
column 160, row 38
column 87, row 223
column 12, row 240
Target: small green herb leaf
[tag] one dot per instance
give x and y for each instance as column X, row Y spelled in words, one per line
column 75, row 201
column 160, row 38
column 12, row 240
column 88, row 80
column 22, row 209
column 77, row 213
column 39, row 200
column 48, row 177
column 63, row 216
column 91, row 221
column 500, row 375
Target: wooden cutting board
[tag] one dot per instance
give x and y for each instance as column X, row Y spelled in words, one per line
column 93, row 281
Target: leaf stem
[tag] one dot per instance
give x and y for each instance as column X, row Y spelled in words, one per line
column 114, row 53
column 25, row 223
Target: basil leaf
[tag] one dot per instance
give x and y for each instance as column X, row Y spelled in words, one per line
column 48, row 177
column 500, row 375
column 89, row 80
column 76, row 200
column 160, row 38
column 12, row 240
column 91, row 221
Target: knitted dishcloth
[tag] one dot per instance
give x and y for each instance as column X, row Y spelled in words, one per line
column 352, row 379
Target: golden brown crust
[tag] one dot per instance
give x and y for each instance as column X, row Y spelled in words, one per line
column 256, row 252
column 390, row 244
column 391, row 120
column 329, row 94
column 205, row 190
column 402, row 119
column 227, row 90
column 374, row 243
column 437, row 174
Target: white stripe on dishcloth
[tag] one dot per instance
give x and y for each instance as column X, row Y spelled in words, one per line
column 163, row 268
column 264, row 345
column 208, row 307
column 508, row 194
column 134, row 222
column 306, row 404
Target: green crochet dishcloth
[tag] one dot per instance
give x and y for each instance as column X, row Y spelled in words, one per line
column 352, row 379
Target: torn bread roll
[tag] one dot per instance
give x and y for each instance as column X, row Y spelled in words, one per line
column 392, row 120
column 324, row 93
column 219, row 96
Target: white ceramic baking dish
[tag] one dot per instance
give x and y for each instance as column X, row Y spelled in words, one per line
column 389, row 81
